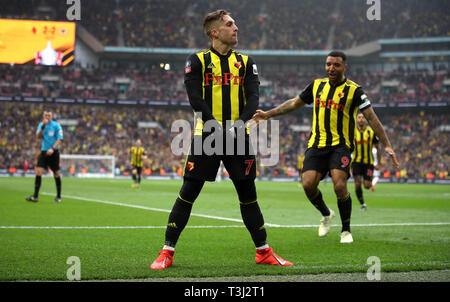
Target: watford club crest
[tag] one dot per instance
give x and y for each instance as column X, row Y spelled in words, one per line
column 238, row 65
column 341, row 95
column 190, row 165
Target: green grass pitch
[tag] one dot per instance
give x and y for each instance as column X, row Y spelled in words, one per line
column 116, row 231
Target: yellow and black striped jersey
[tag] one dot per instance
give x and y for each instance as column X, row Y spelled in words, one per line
column 364, row 141
column 136, row 156
column 335, row 109
column 221, row 87
column 300, row 160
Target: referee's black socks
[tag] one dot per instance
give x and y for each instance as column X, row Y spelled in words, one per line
column 37, row 185
column 345, row 210
column 58, row 186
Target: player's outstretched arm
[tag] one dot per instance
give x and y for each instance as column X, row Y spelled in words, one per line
column 286, row 107
column 378, row 128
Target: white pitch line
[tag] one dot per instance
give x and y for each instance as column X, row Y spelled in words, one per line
column 144, row 207
column 239, row 220
column 368, row 224
column 116, row 227
column 215, row 226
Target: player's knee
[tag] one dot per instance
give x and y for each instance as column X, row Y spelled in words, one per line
column 56, row 174
column 246, row 191
column 39, row 171
column 340, row 188
column 309, row 186
column 191, row 189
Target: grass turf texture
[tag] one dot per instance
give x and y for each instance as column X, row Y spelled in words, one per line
column 93, row 212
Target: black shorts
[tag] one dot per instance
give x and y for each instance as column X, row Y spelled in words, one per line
column 138, row 169
column 325, row 159
column 364, row 170
column 239, row 165
column 45, row 161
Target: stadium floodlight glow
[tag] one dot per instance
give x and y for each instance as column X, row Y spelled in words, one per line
column 88, row 166
column 165, row 66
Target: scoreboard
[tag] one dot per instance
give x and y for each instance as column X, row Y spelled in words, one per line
column 37, row 42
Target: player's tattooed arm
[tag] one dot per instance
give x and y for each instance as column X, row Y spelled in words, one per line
column 378, row 128
column 288, row 106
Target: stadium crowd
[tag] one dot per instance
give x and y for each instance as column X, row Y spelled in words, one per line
column 281, row 24
column 156, row 84
column 421, row 140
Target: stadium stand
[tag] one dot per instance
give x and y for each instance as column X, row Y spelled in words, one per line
column 282, row 24
column 146, row 83
column 420, row 140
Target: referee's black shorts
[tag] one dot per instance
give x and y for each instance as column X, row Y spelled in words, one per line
column 201, row 166
column 327, row 158
column 364, row 170
column 49, row 161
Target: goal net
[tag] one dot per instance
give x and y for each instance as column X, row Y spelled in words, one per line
column 87, row 165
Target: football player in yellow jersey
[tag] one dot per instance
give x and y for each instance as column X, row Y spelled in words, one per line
column 335, row 101
column 138, row 154
column 223, row 86
column 300, row 159
column 363, row 160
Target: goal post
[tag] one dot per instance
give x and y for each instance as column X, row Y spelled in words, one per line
column 88, row 166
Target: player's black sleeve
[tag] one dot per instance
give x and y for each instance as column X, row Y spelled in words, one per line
column 376, row 140
column 251, row 88
column 361, row 99
column 307, row 94
column 193, row 79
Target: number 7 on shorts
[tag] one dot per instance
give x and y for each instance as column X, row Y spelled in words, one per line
column 249, row 163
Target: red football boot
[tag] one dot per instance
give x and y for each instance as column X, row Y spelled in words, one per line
column 164, row 260
column 267, row 256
